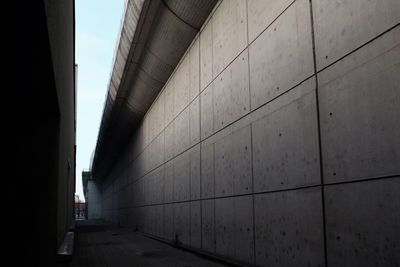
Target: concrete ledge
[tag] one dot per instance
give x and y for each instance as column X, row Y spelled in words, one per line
column 65, row 251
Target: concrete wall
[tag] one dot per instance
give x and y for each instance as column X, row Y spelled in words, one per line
column 61, row 30
column 275, row 141
column 93, row 200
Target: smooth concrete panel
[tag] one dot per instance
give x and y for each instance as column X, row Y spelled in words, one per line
column 169, row 222
column 181, row 86
column 158, row 185
column 147, row 183
column 144, row 162
column 261, row 13
column 153, row 187
column 156, row 152
column 207, row 170
column 158, row 123
column 181, row 131
column 285, row 144
column 150, row 219
column 126, row 196
column 140, row 218
column 229, row 30
column 168, row 182
column 206, row 54
column 233, row 164
column 182, row 223
column 131, row 196
column 281, row 56
column 143, row 135
column 147, row 125
column 195, row 160
column 132, row 147
column 208, row 225
column 156, row 119
column 182, row 177
column 169, row 142
column 234, row 228
column 206, row 112
column 141, row 191
column 160, row 220
column 135, row 169
column 131, row 220
column 195, row 224
column 194, row 70
column 169, row 101
column 141, row 163
column 289, row 228
column 342, row 26
column 137, row 192
column 362, row 221
column 359, row 110
column 194, row 121
column 231, row 96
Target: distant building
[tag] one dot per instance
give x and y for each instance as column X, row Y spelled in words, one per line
column 80, row 208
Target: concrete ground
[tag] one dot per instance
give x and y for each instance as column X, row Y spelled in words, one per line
column 101, row 244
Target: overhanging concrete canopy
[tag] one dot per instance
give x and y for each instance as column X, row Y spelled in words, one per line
column 154, row 35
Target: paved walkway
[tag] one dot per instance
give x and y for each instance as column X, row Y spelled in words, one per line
column 101, row 244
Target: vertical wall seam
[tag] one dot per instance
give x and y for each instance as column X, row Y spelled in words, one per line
column 253, row 195
column 200, row 182
column 215, row 219
column 212, row 103
column 170, row 81
column 319, row 137
column 247, row 24
column 248, row 56
column 212, row 83
column 163, row 166
column 251, row 134
column 229, row 124
column 188, row 51
column 190, row 198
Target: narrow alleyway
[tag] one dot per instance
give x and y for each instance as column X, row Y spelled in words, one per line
column 100, row 244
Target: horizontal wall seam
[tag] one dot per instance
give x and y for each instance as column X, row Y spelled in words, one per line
column 263, row 192
column 247, row 47
column 360, row 46
column 214, row 133
column 201, row 90
column 250, row 111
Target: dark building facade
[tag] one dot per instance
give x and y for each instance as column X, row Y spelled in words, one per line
column 40, row 129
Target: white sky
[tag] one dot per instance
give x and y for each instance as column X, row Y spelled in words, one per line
column 97, row 25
